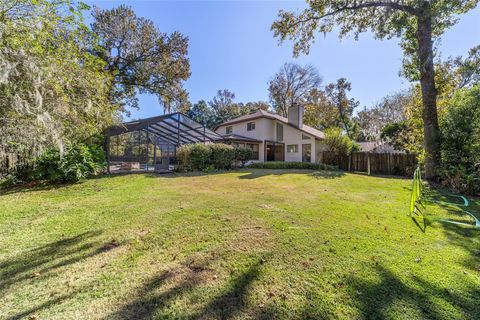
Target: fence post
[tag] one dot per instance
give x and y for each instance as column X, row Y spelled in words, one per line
column 368, row 163
column 388, row 164
column 349, row 162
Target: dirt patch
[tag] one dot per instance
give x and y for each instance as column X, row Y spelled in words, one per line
column 267, row 206
column 252, row 237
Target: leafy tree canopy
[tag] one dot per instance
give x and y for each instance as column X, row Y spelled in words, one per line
column 418, row 23
column 221, row 108
column 338, row 142
column 141, row 58
column 391, row 109
column 385, row 19
column 52, row 90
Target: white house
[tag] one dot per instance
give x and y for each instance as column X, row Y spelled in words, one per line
column 273, row 137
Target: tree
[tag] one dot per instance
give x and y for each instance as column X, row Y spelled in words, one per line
column 338, row 142
column 391, row 109
column 223, row 100
column 52, row 90
column 202, row 113
column 337, row 94
column 417, row 22
column 141, row 58
column 461, row 129
column 320, row 113
column 257, row 105
column 291, row 86
column 468, row 69
column 225, row 108
column 221, row 108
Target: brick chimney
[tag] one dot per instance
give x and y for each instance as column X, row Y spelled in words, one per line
column 295, row 115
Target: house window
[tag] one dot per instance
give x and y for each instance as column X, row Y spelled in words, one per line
column 279, row 132
column 306, row 152
column 254, row 148
column 250, row 126
column 229, row 130
column 238, row 145
column 305, row 137
column 292, row 148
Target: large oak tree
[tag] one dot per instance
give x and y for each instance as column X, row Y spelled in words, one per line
column 418, row 23
column 141, row 58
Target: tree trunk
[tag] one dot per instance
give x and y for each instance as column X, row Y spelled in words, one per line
column 429, row 94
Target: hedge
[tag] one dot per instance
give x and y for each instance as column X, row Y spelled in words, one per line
column 207, row 157
column 292, row 165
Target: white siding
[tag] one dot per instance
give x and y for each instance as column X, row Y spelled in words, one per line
column 265, row 129
column 292, row 135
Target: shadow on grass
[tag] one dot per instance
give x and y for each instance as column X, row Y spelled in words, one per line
column 391, row 297
column 158, row 294
column 249, row 174
column 33, row 186
column 43, row 262
column 466, row 238
column 46, row 305
column 259, row 173
column 36, row 186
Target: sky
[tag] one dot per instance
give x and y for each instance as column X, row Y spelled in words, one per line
column 232, row 47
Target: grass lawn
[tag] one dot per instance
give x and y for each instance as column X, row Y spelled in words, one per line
column 247, row 244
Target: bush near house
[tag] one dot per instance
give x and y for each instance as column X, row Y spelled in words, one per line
column 292, row 165
column 223, row 156
column 243, row 154
column 460, row 126
column 339, row 143
column 207, row 157
column 79, row 161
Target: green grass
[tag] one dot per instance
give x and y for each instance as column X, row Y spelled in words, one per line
column 248, row 244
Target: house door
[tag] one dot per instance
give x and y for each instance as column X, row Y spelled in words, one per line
column 163, row 155
column 274, row 151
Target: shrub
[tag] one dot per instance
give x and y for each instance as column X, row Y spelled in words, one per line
column 209, row 157
column 459, row 179
column 243, row 154
column 47, row 167
column 461, row 142
column 79, row 162
column 339, row 143
column 291, row 165
column 183, row 156
column 200, row 156
column 222, row 156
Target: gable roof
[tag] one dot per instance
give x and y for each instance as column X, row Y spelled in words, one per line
column 176, row 128
column 237, row 137
column 273, row 116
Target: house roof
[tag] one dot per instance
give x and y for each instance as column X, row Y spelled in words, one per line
column 237, row 137
column 273, row 116
column 175, row 128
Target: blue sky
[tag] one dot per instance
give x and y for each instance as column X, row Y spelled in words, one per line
column 231, row 47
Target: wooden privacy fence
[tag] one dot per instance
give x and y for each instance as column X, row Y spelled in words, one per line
column 373, row 163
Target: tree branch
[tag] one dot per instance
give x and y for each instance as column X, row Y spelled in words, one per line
column 376, row 4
